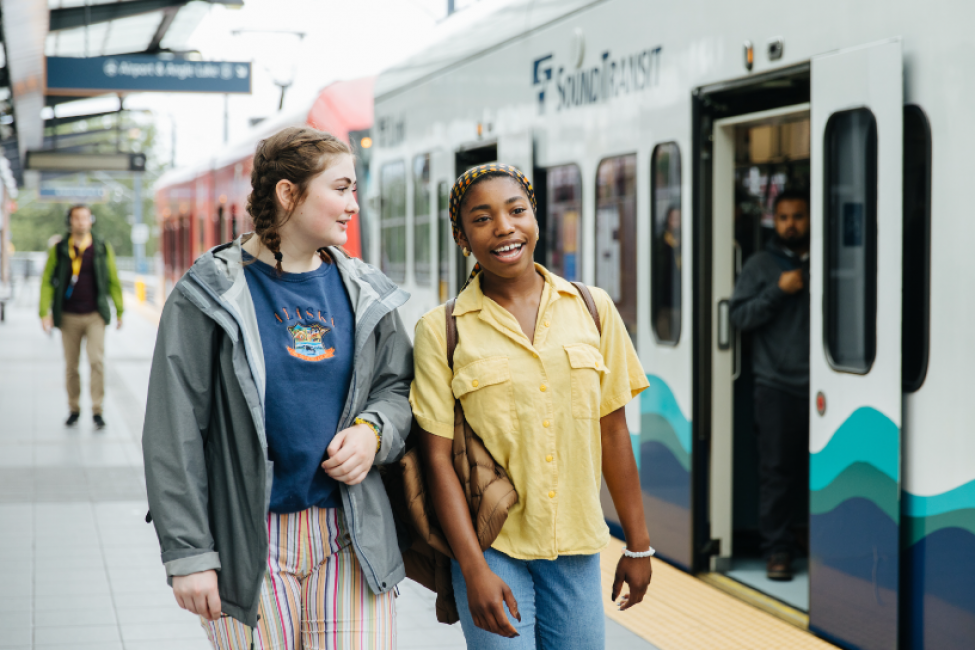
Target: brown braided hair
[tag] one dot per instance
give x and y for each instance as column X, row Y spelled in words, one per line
column 297, row 154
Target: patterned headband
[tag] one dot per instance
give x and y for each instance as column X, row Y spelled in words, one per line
column 464, row 182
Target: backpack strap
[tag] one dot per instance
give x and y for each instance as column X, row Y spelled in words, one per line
column 590, row 304
column 451, row 331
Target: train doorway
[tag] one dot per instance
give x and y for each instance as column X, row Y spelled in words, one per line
column 757, row 158
column 854, row 99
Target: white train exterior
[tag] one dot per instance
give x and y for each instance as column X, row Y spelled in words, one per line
column 629, row 114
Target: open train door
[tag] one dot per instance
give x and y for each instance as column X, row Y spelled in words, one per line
column 855, row 346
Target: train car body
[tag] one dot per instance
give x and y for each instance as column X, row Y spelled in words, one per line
column 657, row 135
column 203, row 205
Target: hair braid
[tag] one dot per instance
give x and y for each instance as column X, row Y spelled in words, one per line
column 295, row 154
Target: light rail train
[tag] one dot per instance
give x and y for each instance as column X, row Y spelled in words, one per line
column 203, row 205
column 657, row 136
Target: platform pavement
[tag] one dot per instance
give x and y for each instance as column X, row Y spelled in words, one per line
column 79, row 567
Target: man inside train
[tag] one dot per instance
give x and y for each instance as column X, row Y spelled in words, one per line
column 771, row 301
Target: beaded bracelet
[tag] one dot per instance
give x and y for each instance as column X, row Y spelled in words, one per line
column 650, row 552
column 375, row 429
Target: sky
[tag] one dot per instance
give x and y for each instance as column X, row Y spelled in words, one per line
column 344, row 39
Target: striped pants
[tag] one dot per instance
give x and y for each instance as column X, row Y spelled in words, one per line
column 314, row 595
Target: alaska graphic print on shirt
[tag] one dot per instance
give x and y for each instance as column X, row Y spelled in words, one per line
column 307, row 330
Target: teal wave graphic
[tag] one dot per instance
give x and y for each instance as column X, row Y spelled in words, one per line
column 917, row 528
column 655, row 428
column 858, row 480
column 959, row 498
column 659, row 400
column 925, row 515
column 867, row 436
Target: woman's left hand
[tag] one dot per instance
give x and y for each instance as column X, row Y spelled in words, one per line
column 350, row 454
column 635, row 572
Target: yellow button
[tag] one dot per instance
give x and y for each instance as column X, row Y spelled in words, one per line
column 543, row 388
column 551, row 495
column 535, row 354
column 545, row 424
column 474, row 384
column 548, row 459
column 547, row 323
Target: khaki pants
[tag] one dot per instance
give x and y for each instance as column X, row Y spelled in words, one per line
column 74, row 327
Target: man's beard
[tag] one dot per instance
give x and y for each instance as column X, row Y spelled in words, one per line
column 793, row 243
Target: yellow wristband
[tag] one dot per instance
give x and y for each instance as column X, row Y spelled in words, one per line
column 375, row 429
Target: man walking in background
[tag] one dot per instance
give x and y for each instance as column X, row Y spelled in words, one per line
column 771, row 301
column 78, row 280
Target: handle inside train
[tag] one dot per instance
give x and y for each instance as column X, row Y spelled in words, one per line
column 724, row 324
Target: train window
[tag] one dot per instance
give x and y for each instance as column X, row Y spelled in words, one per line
column 616, row 234
column 218, row 227
column 563, row 233
column 851, row 240
column 445, row 238
column 917, row 248
column 392, row 220
column 422, row 208
column 665, row 258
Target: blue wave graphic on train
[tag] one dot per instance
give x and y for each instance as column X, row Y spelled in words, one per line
column 665, row 471
column 939, row 560
column 853, row 531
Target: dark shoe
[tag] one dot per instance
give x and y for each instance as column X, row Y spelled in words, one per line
column 99, row 422
column 72, row 419
column 779, row 567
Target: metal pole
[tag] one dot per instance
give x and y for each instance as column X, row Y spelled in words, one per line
column 118, row 124
column 226, row 117
column 138, row 248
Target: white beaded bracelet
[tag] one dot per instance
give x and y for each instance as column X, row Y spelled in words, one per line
column 650, row 552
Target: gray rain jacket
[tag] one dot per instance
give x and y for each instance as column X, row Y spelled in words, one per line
column 208, row 476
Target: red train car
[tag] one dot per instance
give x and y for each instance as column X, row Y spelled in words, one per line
column 201, row 206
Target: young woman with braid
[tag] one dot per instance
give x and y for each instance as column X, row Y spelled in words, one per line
column 543, row 382
column 279, row 383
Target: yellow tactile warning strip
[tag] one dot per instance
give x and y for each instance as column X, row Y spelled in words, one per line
column 681, row 612
column 147, row 310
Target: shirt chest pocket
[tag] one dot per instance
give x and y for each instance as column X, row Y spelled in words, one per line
column 485, row 391
column 586, row 369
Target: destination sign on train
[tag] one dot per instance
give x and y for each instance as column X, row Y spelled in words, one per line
column 145, row 73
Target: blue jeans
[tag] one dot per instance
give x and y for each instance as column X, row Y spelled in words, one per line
column 559, row 601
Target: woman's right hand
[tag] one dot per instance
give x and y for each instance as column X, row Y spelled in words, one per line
column 486, row 597
column 198, row 593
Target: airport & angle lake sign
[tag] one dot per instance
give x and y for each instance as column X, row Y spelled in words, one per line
column 145, row 73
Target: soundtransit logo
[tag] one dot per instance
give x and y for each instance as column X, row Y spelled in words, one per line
column 611, row 78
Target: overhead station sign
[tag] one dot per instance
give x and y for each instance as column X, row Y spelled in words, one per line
column 67, row 194
column 144, row 73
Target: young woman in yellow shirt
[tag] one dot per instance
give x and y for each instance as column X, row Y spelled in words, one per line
column 545, row 391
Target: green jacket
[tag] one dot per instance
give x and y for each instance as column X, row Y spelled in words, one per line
column 57, row 276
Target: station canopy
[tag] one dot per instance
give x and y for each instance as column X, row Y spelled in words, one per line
column 36, row 29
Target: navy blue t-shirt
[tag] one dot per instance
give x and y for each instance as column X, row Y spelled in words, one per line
column 307, row 330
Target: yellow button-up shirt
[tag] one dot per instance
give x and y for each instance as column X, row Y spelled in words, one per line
column 536, row 405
